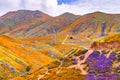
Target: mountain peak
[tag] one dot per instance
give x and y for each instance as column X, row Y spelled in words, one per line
column 23, row 12
column 29, row 11
column 68, row 14
column 99, row 12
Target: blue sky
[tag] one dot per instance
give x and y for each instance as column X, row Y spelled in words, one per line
column 65, row 1
column 57, row 7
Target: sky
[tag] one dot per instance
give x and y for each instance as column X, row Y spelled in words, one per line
column 57, row 7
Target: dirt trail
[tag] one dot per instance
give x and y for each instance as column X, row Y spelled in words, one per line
column 80, row 63
column 108, row 55
column 65, row 39
column 42, row 76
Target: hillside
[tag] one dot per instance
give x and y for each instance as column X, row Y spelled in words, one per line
column 17, row 54
column 36, row 46
column 54, row 25
column 111, row 38
column 83, row 64
column 19, row 22
column 27, row 23
column 94, row 25
column 111, row 42
column 35, row 23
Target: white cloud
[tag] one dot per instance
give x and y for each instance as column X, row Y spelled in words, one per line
column 7, row 5
column 51, row 7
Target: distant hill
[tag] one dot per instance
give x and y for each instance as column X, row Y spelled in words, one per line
column 94, row 25
column 21, row 20
column 27, row 23
column 54, row 25
column 75, row 28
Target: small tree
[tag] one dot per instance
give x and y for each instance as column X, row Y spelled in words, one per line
column 28, row 68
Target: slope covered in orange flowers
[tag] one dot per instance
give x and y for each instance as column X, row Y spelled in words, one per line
column 16, row 53
column 19, row 53
column 35, row 40
column 110, row 38
column 58, row 71
column 90, row 25
column 109, row 42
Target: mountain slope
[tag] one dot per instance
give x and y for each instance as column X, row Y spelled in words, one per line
column 54, row 25
column 16, row 55
column 20, row 21
column 94, row 25
column 17, row 49
column 109, row 42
